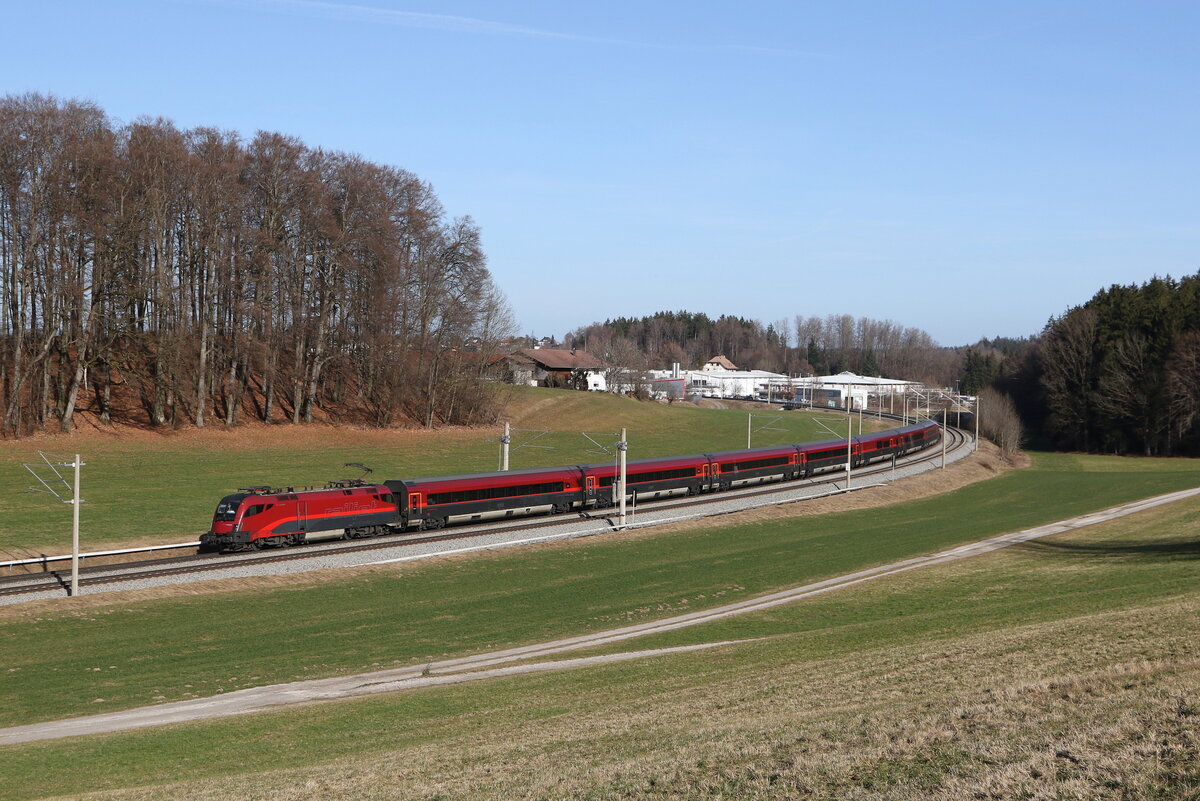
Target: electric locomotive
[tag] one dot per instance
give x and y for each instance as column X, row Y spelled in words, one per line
column 262, row 517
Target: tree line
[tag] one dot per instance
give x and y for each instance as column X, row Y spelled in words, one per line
column 801, row 346
column 1118, row 374
column 164, row 276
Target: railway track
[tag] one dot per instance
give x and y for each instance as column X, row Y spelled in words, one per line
column 112, row 576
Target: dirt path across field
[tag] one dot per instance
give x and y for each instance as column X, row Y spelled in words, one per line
column 501, row 663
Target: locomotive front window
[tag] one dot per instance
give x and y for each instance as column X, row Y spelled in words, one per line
column 227, row 508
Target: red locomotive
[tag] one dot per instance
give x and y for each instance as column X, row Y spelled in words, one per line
column 258, row 517
column 261, row 517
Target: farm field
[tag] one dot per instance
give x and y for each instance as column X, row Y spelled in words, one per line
column 949, row 678
column 144, row 487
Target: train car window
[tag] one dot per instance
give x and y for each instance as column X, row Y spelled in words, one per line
column 827, row 454
column 254, row 510
column 386, row 497
column 755, row 464
column 654, row 475
column 490, row 493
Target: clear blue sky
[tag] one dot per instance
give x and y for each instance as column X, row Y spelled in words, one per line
column 970, row 168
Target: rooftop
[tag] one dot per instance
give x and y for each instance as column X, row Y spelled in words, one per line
column 552, row 359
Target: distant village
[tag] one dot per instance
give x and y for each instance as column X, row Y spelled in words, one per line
column 547, row 365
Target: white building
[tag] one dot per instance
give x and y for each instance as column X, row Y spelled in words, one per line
column 857, row 390
column 714, row 382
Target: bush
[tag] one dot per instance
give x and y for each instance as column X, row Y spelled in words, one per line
column 999, row 421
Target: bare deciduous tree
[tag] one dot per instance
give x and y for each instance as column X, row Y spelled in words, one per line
column 1183, row 384
column 202, row 274
column 999, row 421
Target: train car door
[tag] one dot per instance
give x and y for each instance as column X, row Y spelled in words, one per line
column 415, row 512
column 590, row 494
column 302, row 515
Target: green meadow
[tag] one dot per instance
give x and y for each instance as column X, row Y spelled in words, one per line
column 1061, row 668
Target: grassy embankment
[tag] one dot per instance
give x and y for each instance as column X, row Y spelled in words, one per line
column 148, row 487
column 1065, row 664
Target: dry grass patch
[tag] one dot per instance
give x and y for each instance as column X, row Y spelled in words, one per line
column 1079, row 709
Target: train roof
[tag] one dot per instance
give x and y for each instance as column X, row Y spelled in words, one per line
column 821, row 445
column 281, row 492
column 665, row 462
column 921, row 426
column 766, row 450
column 517, row 476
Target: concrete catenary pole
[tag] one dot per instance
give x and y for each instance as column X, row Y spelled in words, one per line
column 945, row 414
column 622, row 447
column 849, row 448
column 75, row 533
column 976, row 424
column 504, row 441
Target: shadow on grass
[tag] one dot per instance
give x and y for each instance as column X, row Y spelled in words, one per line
column 1185, row 548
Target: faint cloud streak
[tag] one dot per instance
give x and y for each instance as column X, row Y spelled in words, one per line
column 352, row 12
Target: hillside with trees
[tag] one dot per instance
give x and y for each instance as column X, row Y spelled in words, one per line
column 803, row 345
column 1118, row 374
column 165, row 276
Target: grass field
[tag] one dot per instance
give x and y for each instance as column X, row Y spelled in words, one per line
column 147, row 487
column 927, row 682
